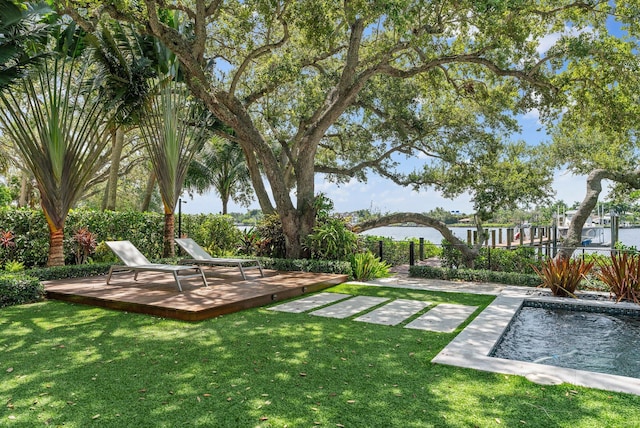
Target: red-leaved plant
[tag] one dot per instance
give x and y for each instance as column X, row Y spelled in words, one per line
column 6, row 239
column 85, row 244
column 562, row 276
column 622, row 276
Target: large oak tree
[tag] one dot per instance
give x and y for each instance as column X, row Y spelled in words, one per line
column 314, row 85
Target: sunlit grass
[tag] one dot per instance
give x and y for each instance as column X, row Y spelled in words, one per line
column 64, row 364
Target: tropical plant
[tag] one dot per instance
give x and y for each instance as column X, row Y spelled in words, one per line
column 622, row 275
column 366, row 266
column 13, row 266
column 272, row 240
column 332, row 240
column 174, row 129
column 221, row 165
column 7, row 239
column 85, row 244
column 58, row 127
column 22, row 29
column 562, row 276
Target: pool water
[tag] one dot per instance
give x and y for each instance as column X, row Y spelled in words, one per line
column 592, row 341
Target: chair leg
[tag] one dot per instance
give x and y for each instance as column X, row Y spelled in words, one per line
column 242, row 271
column 204, row 279
column 175, row 276
column 260, row 268
column 110, row 273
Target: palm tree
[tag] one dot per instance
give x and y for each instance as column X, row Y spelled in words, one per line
column 59, row 129
column 221, row 165
column 174, row 130
column 21, row 30
column 123, row 71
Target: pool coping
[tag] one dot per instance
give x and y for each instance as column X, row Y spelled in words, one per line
column 471, row 348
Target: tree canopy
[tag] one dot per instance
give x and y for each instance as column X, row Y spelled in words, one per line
column 345, row 87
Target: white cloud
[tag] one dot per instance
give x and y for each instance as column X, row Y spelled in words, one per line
column 551, row 39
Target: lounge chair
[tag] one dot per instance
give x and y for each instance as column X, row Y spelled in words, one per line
column 201, row 257
column 135, row 261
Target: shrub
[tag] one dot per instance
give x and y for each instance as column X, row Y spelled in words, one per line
column 332, row 240
column 307, row 265
column 366, row 266
column 520, row 259
column 217, row 234
column 451, row 256
column 13, row 266
column 271, row 236
column 510, row 278
column 397, row 252
column 562, row 276
column 69, row 271
column 622, row 276
column 85, row 244
column 18, row 289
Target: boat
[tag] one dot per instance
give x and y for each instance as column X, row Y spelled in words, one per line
column 592, row 232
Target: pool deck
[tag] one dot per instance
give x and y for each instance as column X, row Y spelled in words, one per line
column 472, row 347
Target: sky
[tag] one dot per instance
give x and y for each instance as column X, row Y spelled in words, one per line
column 381, row 195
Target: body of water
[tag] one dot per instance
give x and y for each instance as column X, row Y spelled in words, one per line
column 630, row 237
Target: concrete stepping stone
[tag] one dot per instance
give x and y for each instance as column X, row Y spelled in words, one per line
column 394, row 313
column 308, row 303
column 349, row 307
column 444, row 318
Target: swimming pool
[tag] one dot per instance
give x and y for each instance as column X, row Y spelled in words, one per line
column 475, row 345
column 603, row 341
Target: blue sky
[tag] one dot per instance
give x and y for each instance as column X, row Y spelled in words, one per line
column 381, row 195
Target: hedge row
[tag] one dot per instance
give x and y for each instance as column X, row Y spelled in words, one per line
column 18, row 289
column 145, row 230
column 510, row 278
column 308, row 265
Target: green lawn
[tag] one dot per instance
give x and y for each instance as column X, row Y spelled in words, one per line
column 76, row 366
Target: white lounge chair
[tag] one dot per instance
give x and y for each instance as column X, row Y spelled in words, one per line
column 135, row 261
column 201, row 257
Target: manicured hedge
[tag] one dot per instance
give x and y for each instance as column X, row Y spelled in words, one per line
column 510, row 278
column 18, row 289
column 70, row 271
column 145, row 230
column 308, row 265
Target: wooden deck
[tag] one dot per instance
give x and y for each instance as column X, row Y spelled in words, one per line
column 156, row 293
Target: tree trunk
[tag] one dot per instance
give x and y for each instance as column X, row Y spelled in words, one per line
column 594, row 188
column 225, row 202
column 25, row 189
column 146, row 200
column 117, row 138
column 56, row 246
column 169, row 231
column 469, row 254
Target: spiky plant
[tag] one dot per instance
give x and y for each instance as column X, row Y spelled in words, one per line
column 174, row 130
column 562, row 276
column 622, row 276
column 58, row 127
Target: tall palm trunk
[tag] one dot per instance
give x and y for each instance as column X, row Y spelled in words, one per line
column 117, row 138
column 169, row 232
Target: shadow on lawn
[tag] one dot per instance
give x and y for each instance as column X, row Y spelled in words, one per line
column 76, row 366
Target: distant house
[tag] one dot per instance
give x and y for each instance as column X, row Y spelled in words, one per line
column 466, row 220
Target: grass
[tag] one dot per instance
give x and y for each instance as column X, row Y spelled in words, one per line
column 77, row 366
